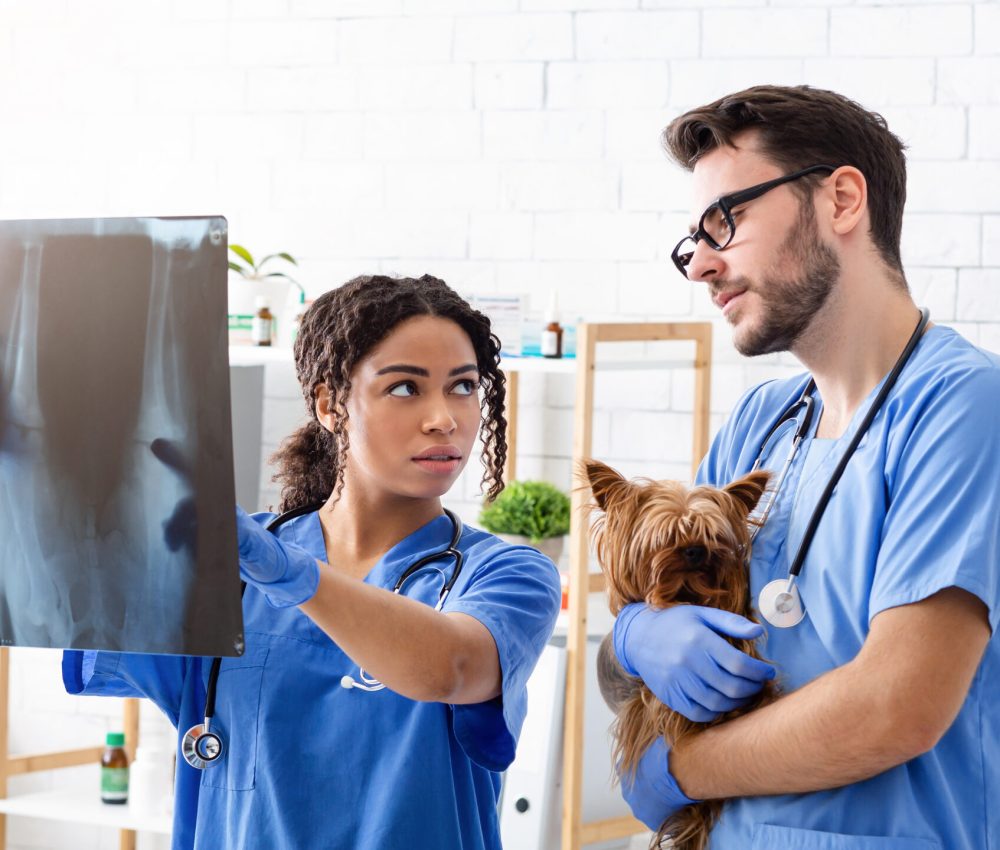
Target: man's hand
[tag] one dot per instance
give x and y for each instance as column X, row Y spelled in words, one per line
column 285, row 573
column 683, row 659
column 653, row 794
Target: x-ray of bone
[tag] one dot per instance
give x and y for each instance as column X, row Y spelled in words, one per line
column 117, row 525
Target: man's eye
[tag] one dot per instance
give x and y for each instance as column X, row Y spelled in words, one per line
column 403, row 390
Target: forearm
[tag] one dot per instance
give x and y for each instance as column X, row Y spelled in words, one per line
column 890, row 704
column 836, row 730
column 411, row 648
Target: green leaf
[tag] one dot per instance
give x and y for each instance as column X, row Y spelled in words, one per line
column 278, row 274
column 535, row 509
column 282, row 255
column 243, row 253
column 236, row 267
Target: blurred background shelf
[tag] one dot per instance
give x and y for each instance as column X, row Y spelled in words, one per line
column 78, row 807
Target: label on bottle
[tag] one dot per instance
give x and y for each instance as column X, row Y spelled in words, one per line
column 114, row 784
column 550, row 344
column 261, row 331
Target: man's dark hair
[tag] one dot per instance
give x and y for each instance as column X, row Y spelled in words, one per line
column 799, row 126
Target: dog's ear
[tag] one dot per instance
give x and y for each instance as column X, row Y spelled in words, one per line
column 748, row 489
column 604, row 481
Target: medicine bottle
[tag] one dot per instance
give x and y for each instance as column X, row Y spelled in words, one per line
column 262, row 328
column 552, row 334
column 114, row 770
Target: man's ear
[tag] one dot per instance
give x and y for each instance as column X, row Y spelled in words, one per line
column 848, row 191
column 748, row 489
column 604, row 481
column 323, row 402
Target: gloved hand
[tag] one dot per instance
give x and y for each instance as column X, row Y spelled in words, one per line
column 680, row 655
column 285, row 573
column 654, row 795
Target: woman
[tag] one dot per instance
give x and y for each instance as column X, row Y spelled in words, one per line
column 392, row 372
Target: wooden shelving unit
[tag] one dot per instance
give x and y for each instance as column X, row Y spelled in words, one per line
column 62, row 805
column 575, row 832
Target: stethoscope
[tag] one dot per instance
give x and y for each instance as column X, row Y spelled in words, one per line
column 779, row 601
column 202, row 747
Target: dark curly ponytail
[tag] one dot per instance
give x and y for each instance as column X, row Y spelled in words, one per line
column 338, row 331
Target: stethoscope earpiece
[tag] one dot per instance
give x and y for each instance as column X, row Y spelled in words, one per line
column 348, row 682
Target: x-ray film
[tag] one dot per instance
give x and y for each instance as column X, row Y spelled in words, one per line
column 117, row 522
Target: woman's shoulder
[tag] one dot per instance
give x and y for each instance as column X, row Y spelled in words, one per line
column 482, row 547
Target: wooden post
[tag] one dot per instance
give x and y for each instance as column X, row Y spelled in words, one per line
column 579, row 592
column 4, row 726
column 510, row 412
column 702, row 395
column 576, row 833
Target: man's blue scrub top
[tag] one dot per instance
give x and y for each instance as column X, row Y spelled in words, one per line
column 309, row 764
column 917, row 510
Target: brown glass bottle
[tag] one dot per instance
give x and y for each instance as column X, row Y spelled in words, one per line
column 262, row 327
column 114, row 770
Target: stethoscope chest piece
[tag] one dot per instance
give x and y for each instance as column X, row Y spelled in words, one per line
column 780, row 603
column 200, row 747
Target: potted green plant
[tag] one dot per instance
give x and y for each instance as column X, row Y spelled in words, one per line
column 533, row 513
column 254, row 279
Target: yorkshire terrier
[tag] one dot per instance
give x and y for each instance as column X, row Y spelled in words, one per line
column 665, row 544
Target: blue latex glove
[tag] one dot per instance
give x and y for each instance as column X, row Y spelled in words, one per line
column 654, row 794
column 679, row 653
column 285, row 573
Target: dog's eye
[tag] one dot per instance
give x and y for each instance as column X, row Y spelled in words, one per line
column 694, row 555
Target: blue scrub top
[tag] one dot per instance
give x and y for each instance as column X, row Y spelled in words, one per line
column 309, row 764
column 917, row 511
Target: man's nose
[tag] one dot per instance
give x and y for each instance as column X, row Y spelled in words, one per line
column 706, row 263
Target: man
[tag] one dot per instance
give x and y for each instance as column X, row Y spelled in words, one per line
column 886, row 733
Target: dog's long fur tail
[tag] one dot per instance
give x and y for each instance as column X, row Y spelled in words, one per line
column 689, row 828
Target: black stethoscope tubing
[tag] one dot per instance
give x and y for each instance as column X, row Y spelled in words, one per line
column 807, row 400
column 451, row 551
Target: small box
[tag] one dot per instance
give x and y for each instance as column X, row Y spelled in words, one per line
column 506, row 314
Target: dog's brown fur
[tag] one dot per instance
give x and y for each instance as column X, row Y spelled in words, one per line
column 664, row 544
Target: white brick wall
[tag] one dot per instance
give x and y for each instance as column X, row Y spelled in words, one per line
column 505, row 145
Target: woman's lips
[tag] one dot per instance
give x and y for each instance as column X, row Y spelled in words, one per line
column 438, row 466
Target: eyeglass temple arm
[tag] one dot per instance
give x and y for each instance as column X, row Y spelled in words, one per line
column 746, row 195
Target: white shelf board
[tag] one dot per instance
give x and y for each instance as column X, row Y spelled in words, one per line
column 79, row 807
column 253, row 355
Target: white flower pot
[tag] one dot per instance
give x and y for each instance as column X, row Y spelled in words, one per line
column 551, row 547
column 242, row 295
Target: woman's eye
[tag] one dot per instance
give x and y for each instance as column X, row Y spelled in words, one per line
column 468, row 387
column 403, row 390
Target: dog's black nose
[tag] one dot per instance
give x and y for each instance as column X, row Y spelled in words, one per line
column 694, row 555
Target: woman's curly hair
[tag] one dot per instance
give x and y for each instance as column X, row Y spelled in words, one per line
column 338, row 331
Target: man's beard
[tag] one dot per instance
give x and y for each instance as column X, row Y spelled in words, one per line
column 791, row 305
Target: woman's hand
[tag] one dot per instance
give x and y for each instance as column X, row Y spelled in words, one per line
column 285, row 573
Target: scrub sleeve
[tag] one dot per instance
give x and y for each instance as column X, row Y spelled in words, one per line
column 516, row 595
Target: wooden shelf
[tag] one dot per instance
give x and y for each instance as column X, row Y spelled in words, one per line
column 77, row 807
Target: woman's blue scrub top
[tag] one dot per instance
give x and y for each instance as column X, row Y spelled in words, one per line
column 309, row 764
column 917, row 510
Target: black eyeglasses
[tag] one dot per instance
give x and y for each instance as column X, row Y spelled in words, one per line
column 717, row 226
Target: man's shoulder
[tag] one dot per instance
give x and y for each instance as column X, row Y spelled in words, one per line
column 950, row 364
column 770, row 399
